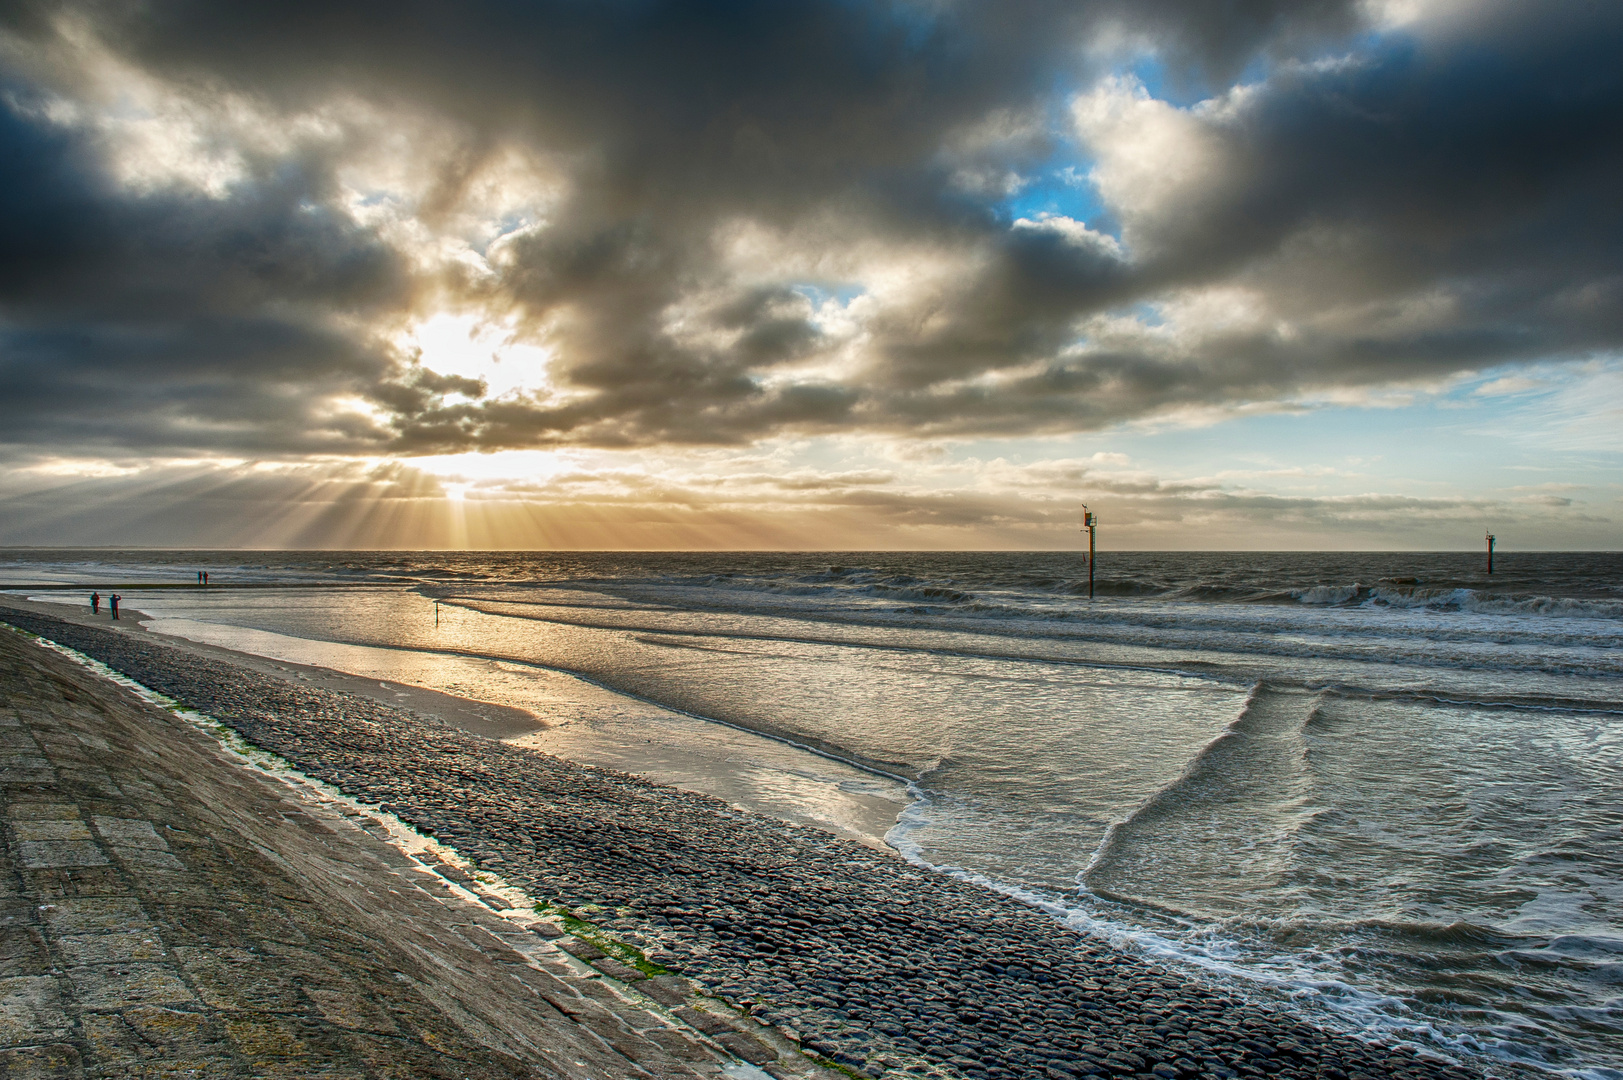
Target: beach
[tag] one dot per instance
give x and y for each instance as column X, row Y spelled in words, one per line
column 173, row 908
column 861, row 960
column 948, row 539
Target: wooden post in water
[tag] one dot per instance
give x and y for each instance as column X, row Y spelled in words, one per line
column 1090, row 521
column 1490, row 553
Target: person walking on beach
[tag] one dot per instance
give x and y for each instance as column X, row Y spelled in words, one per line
column 200, row 577
column 205, row 577
column 112, row 602
column 95, row 603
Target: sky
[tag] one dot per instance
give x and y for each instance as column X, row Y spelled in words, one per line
column 831, row 274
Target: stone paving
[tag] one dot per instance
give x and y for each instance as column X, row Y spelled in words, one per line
column 165, row 912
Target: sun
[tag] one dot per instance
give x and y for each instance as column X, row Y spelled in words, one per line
column 476, row 346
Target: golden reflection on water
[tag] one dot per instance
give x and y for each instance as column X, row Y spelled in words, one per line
column 592, row 725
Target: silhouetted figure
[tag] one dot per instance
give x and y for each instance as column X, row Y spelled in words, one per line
column 112, row 602
column 200, row 577
column 95, row 603
column 205, row 577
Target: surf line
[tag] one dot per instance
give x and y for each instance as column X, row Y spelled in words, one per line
column 1571, row 706
column 1231, row 732
column 1191, row 671
column 817, row 751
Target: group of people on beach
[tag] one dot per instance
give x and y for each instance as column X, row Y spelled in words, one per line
column 114, row 600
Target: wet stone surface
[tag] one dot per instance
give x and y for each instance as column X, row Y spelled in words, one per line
column 879, row 967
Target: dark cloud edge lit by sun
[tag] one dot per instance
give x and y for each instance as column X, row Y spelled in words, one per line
column 827, row 274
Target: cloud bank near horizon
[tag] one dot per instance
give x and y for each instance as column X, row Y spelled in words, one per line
column 979, row 504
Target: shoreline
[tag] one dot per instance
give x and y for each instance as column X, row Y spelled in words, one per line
column 790, row 793
column 488, row 719
column 177, row 904
column 872, row 963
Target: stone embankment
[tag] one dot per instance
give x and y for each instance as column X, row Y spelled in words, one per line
column 871, row 964
column 167, row 912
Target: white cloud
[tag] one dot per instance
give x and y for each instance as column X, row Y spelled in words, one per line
column 1156, row 165
column 1074, row 231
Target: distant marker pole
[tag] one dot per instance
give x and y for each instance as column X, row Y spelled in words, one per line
column 1490, row 553
column 1089, row 522
column 436, row 613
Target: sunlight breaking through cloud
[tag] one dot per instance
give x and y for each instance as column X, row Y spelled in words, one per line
column 848, row 227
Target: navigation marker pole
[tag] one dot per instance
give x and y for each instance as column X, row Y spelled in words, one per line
column 1490, row 553
column 1090, row 521
column 436, row 613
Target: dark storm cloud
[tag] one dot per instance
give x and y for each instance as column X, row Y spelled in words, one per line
column 1487, row 165
column 1418, row 204
column 175, row 322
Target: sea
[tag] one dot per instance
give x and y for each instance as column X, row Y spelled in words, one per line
column 1383, row 790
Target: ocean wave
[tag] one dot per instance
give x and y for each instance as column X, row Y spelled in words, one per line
column 1115, row 835
column 1056, row 598
column 1314, row 985
column 1317, row 647
column 1457, row 599
column 1327, row 594
column 1549, row 606
column 1565, row 585
column 1252, row 760
column 939, row 594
